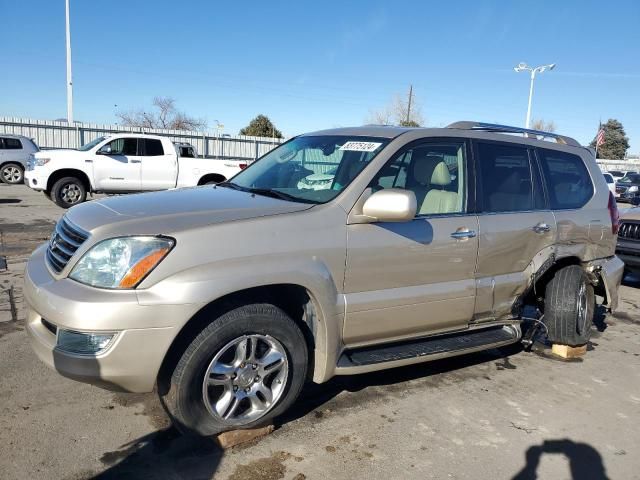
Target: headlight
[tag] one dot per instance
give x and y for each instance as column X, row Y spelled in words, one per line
column 633, row 188
column 40, row 161
column 121, row 262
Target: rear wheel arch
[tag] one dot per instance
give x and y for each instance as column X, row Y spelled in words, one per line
column 295, row 300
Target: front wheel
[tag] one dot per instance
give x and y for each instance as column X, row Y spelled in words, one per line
column 245, row 368
column 68, row 191
column 12, row 173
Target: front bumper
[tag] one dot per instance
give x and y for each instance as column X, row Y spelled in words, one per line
column 36, row 178
column 629, row 253
column 144, row 333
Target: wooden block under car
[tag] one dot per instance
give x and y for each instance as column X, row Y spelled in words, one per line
column 238, row 437
column 565, row 351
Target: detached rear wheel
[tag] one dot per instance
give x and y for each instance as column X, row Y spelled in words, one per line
column 569, row 307
column 68, row 191
column 247, row 367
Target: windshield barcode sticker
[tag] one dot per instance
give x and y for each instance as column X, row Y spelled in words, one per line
column 360, row 146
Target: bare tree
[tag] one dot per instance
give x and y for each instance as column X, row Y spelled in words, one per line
column 165, row 115
column 397, row 113
column 540, row 124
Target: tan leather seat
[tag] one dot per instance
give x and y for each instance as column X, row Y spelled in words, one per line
column 437, row 199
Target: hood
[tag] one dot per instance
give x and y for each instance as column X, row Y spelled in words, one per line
column 175, row 210
column 632, row 213
column 63, row 152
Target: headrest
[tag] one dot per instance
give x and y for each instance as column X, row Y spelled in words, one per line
column 423, row 167
column 512, row 184
column 441, row 175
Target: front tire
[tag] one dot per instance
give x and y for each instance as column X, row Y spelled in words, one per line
column 68, row 191
column 12, row 173
column 569, row 307
column 244, row 369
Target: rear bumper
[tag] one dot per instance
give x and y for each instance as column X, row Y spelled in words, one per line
column 609, row 271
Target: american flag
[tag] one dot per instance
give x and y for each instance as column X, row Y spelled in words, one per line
column 600, row 137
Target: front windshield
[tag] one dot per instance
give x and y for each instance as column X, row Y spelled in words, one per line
column 313, row 169
column 91, row 144
column 631, row 178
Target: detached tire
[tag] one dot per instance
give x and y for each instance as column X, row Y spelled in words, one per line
column 12, row 173
column 68, row 191
column 245, row 368
column 569, row 306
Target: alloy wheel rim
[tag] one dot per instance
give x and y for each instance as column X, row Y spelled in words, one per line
column 70, row 193
column 245, row 379
column 582, row 309
column 11, row 174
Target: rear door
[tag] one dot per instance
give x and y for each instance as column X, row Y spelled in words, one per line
column 119, row 170
column 159, row 165
column 415, row 278
column 516, row 225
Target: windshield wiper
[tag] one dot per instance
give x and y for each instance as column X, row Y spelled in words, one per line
column 268, row 192
column 232, row 185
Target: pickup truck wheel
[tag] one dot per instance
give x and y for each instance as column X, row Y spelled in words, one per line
column 68, row 191
column 245, row 368
column 12, row 173
column 569, row 306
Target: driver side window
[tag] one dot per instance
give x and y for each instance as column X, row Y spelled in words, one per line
column 434, row 172
column 124, row 146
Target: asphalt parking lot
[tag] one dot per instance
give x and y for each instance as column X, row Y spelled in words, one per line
column 493, row 415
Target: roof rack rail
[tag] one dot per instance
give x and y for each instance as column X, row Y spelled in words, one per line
column 492, row 127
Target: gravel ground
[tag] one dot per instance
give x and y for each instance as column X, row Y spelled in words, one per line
column 493, row 415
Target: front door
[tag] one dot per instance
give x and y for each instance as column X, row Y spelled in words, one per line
column 516, row 226
column 119, row 168
column 415, row 278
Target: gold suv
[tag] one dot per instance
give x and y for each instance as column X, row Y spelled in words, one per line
column 340, row 252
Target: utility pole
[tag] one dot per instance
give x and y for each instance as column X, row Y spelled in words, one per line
column 409, row 103
column 69, row 78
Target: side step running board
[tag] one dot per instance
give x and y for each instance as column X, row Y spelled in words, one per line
column 438, row 346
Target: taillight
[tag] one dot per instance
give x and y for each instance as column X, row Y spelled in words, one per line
column 614, row 214
column 242, row 166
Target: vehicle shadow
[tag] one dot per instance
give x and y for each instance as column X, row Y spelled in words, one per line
column 584, row 460
column 163, row 454
column 387, row 381
column 631, row 280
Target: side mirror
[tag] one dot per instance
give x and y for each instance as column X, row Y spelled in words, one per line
column 390, row 205
column 106, row 150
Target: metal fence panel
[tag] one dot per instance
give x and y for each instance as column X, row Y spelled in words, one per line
column 50, row 134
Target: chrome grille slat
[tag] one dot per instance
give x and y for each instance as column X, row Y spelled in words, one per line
column 64, row 242
column 629, row 231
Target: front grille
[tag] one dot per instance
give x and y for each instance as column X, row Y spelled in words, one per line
column 65, row 240
column 629, row 231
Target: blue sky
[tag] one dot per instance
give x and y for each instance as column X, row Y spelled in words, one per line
column 312, row 65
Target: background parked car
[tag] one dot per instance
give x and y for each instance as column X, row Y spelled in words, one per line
column 619, row 174
column 628, row 247
column 611, row 182
column 14, row 153
column 628, row 187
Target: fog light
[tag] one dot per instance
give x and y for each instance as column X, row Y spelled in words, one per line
column 83, row 343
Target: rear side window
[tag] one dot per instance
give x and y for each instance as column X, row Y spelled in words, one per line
column 11, row 144
column 608, row 178
column 567, row 179
column 124, row 146
column 509, row 179
column 152, row 147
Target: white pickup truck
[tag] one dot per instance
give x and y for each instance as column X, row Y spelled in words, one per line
column 121, row 163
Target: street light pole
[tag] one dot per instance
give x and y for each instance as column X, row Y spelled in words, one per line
column 69, row 77
column 522, row 67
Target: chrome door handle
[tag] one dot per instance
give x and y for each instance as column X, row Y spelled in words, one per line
column 88, row 161
column 463, row 233
column 541, row 228
column 136, row 161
